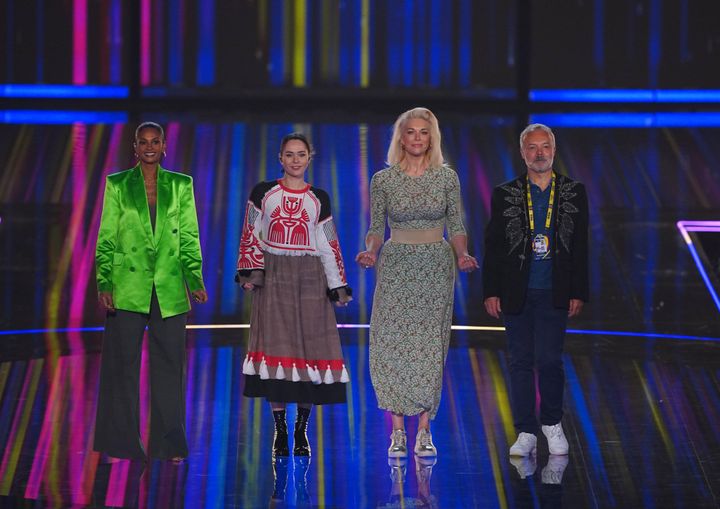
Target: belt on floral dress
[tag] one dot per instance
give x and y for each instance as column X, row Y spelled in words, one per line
column 416, row 236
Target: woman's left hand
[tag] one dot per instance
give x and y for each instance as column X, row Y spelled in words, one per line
column 200, row 296
column 467, row 263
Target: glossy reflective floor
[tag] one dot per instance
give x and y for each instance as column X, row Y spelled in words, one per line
column 641, row 411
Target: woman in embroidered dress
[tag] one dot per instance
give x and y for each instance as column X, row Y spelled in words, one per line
column 412, row 308
column 290, row 259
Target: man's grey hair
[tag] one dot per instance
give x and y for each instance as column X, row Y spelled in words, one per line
column 535, row 127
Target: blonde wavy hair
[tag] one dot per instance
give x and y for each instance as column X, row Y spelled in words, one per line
column 434, row 155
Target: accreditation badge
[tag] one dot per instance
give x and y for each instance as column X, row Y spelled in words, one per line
column 541, row 246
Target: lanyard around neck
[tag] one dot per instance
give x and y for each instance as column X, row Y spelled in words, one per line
column 531, row 213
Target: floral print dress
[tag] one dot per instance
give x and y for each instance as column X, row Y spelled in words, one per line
column 413, row 301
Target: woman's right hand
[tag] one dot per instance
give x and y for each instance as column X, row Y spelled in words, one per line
column 366, row 259
column 106, row 301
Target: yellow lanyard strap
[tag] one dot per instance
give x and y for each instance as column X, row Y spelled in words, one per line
column 531, row 213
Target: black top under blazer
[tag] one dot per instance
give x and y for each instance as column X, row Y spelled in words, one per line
column 508, row 246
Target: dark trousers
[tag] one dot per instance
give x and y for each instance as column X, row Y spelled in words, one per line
column 535, row 340
column 117, row 426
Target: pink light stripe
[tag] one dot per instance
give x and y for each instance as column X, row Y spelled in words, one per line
column 703, row 229
column 53, row 411
column 76, row 234
column 14, row 429
column 82, row 473
column 115, row 496
column 172, row 134
column 484, row 189
column 145, row 49
column 80, row 42
column 84, row 252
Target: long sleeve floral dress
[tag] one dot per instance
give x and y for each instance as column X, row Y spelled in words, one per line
column 413, row 301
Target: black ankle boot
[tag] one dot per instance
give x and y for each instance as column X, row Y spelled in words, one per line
column 302, row 447
column 280, row 440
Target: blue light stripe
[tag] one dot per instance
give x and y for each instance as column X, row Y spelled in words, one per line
column 427, row 49
column 654, row 335
column 465, row 43
column 44, row 117
column 116, row 37
column 639, row 120
column 408, row 43
column 393, row 26
column 174, row 44
column 64, row 91
column 40, row 41
column 220, row 427
column 234, row 214
column 435, row 75
column 582, row 411
column 654, row 42
column 206, row 44
column 638, row 95
column 276, row 54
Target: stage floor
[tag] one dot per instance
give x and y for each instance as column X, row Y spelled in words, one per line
column 642, row 362
column 640, row 418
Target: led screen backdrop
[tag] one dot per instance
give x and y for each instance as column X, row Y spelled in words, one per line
column 666, row 44
column 230, row 46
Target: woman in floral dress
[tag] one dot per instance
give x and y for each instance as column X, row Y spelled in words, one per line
column 419, row 195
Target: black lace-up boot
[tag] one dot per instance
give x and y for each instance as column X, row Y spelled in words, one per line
column 302, row 447
column 280, row 440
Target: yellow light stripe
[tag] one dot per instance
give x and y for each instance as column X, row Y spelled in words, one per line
column 365, row 44
column 4, row 373
column 501, row 395
column 299, row 44
column 62, row 175
column 489, row 431
column 35, row 370
column 12, row 170
column 657, row 418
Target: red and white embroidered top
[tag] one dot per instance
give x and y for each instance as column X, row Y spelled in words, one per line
column 290, row 222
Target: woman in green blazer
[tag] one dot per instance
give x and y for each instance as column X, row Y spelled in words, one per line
column 147, row 256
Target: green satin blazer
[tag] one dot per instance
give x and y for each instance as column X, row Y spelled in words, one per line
column 130, row 257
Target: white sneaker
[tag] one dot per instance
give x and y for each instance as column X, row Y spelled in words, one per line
column 557, row 443
column 525, row 466
column 525, row 445
column 423, row 443
column 554, row 470
column 398, row 444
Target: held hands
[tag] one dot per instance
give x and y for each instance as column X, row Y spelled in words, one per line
column 492, row 306
column 575, row 307
column 106, row 301
column 467, row 263
column 200, row 296
column 366, row 259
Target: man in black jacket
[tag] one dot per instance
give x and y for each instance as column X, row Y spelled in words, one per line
column 535, row 273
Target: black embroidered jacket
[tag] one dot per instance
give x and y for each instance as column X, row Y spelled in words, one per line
column 508, row 246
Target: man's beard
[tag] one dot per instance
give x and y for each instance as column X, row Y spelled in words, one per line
column 542, row 166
